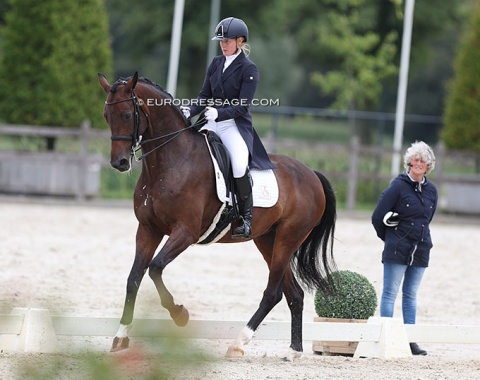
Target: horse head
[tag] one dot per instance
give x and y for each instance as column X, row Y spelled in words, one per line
column 123, row 116
column 132, row 129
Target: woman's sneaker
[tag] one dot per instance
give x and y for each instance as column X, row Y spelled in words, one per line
column 416, row 350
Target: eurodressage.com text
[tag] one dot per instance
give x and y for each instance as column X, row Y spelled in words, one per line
column 217, row 103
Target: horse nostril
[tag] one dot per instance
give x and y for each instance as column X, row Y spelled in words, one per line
column 121, row 165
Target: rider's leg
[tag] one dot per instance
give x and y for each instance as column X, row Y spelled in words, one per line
column 243, row 188
column 239, row 155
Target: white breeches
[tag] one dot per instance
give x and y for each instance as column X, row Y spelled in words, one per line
column 228, row 132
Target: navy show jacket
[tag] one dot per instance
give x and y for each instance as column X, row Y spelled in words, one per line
column 410, row 242
column 231, row 93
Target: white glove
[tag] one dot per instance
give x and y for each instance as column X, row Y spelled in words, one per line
column 211, row 114
column 185, row 111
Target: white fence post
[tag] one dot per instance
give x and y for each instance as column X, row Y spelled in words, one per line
column 393, row 341
column 36, row 333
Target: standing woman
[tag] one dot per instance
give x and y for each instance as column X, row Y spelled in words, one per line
column 402, row 219
column 227, row 92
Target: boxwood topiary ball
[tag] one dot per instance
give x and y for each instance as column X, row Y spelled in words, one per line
column 355, row 297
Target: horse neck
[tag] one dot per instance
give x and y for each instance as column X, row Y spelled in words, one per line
column 169, row 147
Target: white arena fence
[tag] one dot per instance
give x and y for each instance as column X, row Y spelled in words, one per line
column 35, row 330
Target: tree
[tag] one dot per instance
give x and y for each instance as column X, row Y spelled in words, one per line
column 364, row 59
column 462, row 110
column 142, row 35
column 52, row 51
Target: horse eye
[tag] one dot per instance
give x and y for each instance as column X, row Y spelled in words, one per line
column 127, row 116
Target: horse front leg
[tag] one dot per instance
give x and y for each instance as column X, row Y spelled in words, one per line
column 175, row 245
column 145, row 249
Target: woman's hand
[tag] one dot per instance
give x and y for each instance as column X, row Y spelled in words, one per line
column 211, row 114
column 185, row 111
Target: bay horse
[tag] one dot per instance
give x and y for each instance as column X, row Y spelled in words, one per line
column 175, row 196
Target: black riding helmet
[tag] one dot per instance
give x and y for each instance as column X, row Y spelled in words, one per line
column 230, row 27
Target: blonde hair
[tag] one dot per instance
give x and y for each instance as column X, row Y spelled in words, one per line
column 421, row 150
column 245, row 47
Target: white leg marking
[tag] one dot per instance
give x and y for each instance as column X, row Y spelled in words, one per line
column 235, row 349
column 245, row 336
column 123, row 331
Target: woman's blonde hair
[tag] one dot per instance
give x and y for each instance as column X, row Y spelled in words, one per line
column 421, row 150
column 245, row 47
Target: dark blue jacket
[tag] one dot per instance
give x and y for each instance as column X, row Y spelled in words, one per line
column 231, row 93
column 410, row 242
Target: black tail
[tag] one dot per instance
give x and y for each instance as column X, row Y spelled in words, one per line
column 309, row 268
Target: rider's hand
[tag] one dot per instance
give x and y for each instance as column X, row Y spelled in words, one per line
column 185, row 111
column 211, row 114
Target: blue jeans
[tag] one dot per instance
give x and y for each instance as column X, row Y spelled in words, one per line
column 392, row 277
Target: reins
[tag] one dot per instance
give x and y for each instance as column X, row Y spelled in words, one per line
column 136, row 138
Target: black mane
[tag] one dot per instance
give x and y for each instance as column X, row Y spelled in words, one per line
column 160, row 89
column 157, row 86
column 123, row 80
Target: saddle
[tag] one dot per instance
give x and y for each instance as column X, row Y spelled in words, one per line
column 229, row 212
column 265, row 191
column 222, row 156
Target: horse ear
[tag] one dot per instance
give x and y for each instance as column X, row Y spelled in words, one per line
column 104, row 82
column 130, row 86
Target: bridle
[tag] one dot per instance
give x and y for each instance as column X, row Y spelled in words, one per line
column 136, row 137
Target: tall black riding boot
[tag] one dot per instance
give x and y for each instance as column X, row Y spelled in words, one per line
column 243, row 189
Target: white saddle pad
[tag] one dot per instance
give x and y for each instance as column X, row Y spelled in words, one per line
column 264, row 189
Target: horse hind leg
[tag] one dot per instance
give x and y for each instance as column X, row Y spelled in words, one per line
column 294, row 295
column 271, row 296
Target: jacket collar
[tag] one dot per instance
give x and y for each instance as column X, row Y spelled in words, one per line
column 237, row 62
column 418, row 186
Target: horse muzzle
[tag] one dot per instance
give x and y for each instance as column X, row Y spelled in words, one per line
column 122, row 164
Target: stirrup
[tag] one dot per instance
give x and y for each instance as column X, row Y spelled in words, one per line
column 242, row 231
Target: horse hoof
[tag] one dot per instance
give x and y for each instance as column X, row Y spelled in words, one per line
column 291, row 355
column 180, row 316
column 120, row 344
column 234, row 352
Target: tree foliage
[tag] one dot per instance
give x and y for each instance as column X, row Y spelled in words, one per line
column 52, row 51
column 311, row 53
column 350, row 44
column 339, row 51
column 364, row 59
column 462, row 111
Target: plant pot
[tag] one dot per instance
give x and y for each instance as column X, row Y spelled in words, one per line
column 333, row 348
